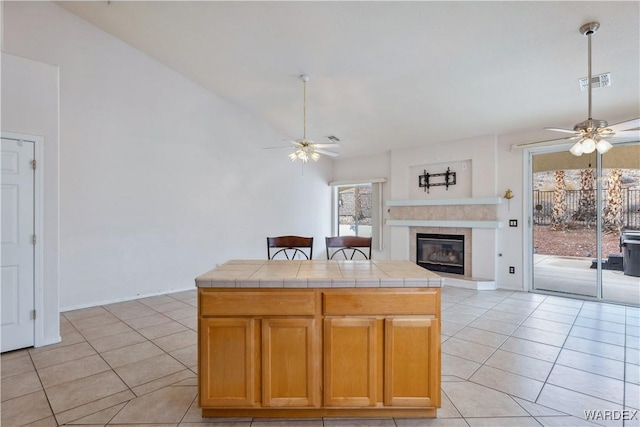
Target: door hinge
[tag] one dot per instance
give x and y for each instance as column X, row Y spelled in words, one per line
column 33, row 314
column 33, row 164
column 33, row 239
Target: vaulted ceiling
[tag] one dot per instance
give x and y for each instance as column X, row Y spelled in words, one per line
column 392, row 74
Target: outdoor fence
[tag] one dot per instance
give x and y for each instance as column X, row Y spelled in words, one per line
column 543, row 208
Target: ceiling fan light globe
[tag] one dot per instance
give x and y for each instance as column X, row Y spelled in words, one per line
column 588, row 145
column 576, row 150
column 603, row 146
column 315, row 156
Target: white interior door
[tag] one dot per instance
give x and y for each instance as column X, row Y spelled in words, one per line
column 18, row 280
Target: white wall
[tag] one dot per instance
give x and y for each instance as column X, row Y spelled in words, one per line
column 462, row 189
column 30, row 106
column 512, row 240
column 480, row 151
column 160, row 180
column 361, row 168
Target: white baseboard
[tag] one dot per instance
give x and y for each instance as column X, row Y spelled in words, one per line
column 49, row 341
column 469, row 282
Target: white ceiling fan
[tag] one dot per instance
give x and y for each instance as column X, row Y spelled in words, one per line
column 305, row 149
column 593, row 134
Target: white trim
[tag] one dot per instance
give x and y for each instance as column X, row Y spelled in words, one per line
column 38, row 252
column 380, row 221
column 334, row 211
column 447, row 202
column 39, row 247
column 443, row 223
column 468, row 282
column 358, row 182
column 527, row 209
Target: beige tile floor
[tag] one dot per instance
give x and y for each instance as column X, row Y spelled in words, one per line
column 508, row 359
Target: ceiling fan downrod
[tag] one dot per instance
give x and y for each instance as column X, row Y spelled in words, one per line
column 304, row 79
column 588, row 30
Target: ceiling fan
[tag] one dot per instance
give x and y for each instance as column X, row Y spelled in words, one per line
column 305, row 149
column 593, row 134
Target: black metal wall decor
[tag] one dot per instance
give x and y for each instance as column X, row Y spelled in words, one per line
column 424, row 180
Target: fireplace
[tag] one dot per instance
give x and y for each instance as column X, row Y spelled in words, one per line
column 440, row 252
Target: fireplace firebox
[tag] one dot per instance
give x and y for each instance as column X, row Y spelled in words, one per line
column 441, row 252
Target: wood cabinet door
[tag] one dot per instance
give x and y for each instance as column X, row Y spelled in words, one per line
column 290, row 363
column 412, row 362
column 350, row 354
column 226, row 362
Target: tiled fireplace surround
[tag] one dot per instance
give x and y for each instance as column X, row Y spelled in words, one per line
column 451, row 214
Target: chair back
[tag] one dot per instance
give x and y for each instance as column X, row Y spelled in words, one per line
column 349, row 247
column 288, row 247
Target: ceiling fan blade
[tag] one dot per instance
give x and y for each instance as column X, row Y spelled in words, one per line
column 544, row 142
column 629, row 124
column 627, row 134
column 562, row 130
column 294, row 144
column 323, row 145
column 326, row 152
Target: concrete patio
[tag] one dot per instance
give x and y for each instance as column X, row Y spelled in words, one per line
column 574, row 275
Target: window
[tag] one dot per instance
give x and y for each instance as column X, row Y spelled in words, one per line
column 354, row 210
column 358, row 209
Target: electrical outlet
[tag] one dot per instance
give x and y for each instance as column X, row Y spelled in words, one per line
column 513, row 223
column 512, row 270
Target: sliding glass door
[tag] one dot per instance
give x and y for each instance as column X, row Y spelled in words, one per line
column 580, row 209
column 564, row 223
column 620, row 223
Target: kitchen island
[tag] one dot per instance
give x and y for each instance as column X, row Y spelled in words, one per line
column 319, row 339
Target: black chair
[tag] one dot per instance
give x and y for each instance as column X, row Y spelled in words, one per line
column 349, row 247
column 289, row 246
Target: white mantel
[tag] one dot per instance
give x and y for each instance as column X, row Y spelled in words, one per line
column 447, row 202
column 443, row 223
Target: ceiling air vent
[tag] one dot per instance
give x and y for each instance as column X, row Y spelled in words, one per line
column 334, row 139
column 601, row 80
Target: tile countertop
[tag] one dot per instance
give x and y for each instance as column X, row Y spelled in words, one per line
column 318, row 274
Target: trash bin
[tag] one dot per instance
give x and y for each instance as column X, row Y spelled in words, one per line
column 630, row 242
